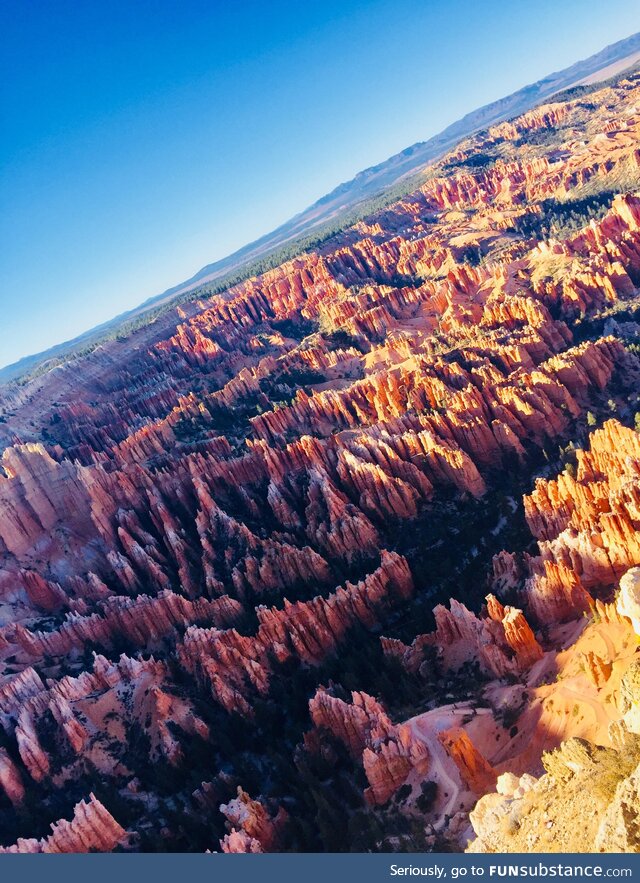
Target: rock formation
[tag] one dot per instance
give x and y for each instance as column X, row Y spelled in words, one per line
column 628, row 602
column 586, row 802
column 388, row 752
column 272, row 485
column 92, row 829
column 252, row 828
column 475, row 772
column 586, row 529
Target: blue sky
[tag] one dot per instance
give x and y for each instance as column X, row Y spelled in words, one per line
column 142, row 140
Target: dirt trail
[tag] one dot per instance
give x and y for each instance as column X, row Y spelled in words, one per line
column 443, row 770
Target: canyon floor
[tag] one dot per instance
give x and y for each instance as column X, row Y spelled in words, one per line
column 343, row 558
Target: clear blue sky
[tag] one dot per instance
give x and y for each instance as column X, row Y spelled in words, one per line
column 142, row 139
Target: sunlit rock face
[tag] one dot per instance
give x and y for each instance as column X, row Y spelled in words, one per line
column 628, row 601
column 335, row 558
column 588, row 524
